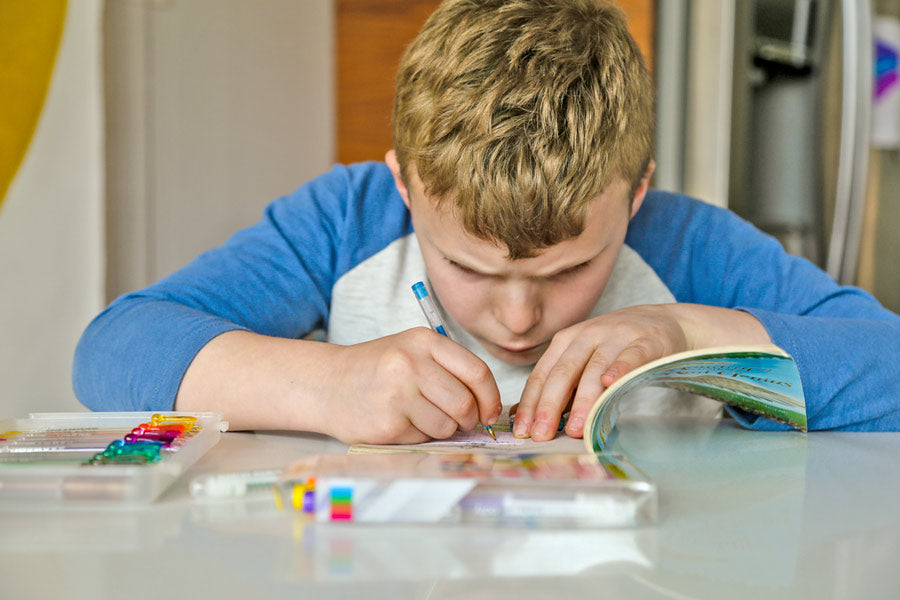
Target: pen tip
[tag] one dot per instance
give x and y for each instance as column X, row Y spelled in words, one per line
column 490, row 430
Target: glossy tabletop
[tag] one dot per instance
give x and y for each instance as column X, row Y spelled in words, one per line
column 743, row 514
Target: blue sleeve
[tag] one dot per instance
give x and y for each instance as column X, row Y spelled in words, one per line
column 844, row 342
column 274, row 278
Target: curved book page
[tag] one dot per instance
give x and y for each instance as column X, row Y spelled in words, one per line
column 762, row 380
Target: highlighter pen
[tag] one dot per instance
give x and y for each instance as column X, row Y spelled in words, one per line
column 436, row 323
column 233, row 485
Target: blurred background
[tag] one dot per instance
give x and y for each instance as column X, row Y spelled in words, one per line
column 134, row 134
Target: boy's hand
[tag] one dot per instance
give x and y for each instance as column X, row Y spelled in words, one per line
column 407, row 388
column 586, row 358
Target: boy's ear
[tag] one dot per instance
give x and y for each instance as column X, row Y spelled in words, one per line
column 391, row 159
column 642, row 188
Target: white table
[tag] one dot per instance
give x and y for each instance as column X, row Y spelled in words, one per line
column 742, row 515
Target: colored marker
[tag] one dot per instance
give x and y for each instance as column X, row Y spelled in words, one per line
column 435, row 322
column 233, row 485
column 341, row 503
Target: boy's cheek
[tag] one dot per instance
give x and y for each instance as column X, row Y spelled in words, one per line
column 567, row 305
column 468, row 303
column 464, row 302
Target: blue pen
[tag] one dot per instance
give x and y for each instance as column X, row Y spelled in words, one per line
column 435, row 322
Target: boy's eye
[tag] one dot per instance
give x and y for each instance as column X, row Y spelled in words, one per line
column 560, row 275
column 462, row 268
column 570, row 271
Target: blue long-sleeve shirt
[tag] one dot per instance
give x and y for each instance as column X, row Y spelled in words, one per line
column 339, row 254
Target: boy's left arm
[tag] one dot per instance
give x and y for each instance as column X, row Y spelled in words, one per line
column 848, row 364
column 584, row 359
column 734, row 285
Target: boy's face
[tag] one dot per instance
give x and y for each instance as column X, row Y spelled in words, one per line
column 514, row 307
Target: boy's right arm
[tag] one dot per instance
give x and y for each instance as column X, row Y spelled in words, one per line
column 403, row 388
column 186, row 339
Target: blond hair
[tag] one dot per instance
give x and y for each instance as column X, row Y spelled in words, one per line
column 522, row 112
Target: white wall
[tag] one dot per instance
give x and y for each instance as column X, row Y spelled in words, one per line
column 226, row 104
column 50, row 230
column 214, row 108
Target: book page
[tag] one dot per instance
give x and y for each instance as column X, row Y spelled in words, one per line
column 479, row 439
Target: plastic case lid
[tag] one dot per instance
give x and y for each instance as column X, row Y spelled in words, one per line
column 531, row 490
column 44, row 457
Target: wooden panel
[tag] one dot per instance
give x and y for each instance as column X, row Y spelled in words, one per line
column 641, row 20
column 371, row 37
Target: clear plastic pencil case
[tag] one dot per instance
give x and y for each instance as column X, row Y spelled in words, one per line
column 520, row 490
column 128, row 457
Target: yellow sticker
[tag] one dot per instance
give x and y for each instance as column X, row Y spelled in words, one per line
column 30, row 33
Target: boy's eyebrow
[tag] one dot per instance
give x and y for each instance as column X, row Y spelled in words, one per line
column 572, row 267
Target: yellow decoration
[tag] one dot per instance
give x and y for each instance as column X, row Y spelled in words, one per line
column 30, row 31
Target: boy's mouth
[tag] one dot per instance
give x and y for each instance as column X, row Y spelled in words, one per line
column 518, row 354
column 517, row 349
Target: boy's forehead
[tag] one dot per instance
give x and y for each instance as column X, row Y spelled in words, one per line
column 607, row 219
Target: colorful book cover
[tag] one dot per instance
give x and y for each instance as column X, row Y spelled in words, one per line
column 762, row 380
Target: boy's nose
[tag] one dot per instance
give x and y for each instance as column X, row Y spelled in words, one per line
column 518, row 310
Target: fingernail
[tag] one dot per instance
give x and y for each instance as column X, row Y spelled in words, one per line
column 542, row 429
column 575, row 424
column 520, row 429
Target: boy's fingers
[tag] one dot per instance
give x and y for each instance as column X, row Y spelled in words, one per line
column 590, row 386
column 565, row 374
column 534, row 388
column 633, row 356
column 473, row 373
column 430, row 420
column 546, row 418
column 449, row 395
column 560, row 386
column 524, row 410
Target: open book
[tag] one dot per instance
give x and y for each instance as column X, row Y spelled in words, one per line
column 762, row 380
column 759, row 379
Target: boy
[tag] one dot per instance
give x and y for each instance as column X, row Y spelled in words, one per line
column 518, row 188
